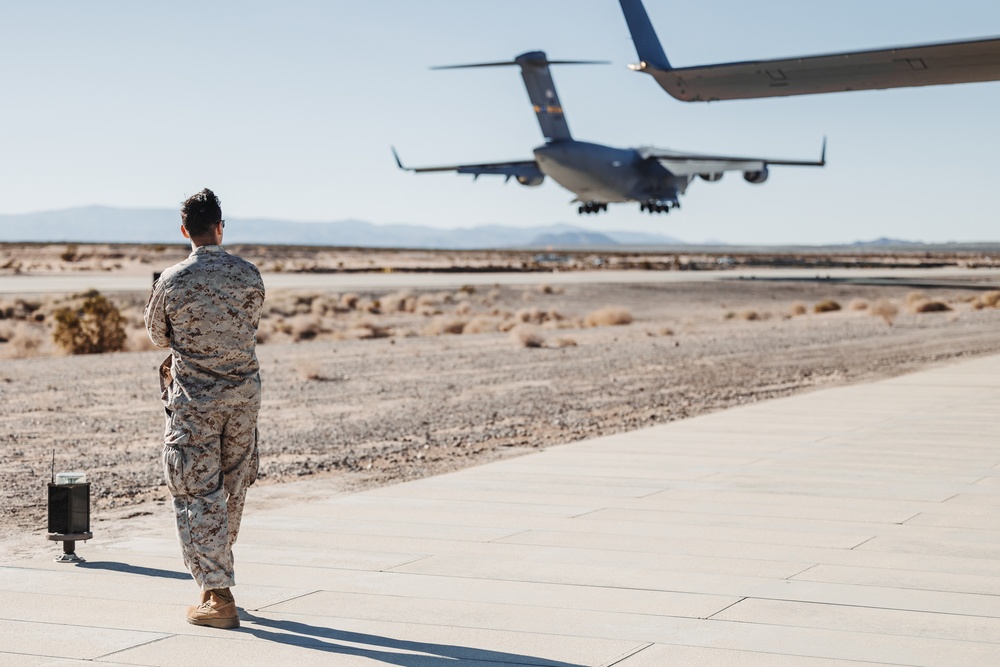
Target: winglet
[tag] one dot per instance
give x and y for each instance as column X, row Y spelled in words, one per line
column 647, row 44
column 399, row 162
column 822, row 156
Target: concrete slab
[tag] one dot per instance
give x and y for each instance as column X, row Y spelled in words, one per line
column 68, row 641
column 854, row 525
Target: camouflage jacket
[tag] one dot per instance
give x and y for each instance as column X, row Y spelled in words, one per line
column 206, row 310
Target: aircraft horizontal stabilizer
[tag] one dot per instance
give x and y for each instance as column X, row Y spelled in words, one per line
column 534, row 59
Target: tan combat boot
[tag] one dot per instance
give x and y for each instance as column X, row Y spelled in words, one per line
column 217, row 610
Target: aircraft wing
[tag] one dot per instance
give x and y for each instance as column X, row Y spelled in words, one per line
column 922, row 65
column 690, row 164
column 524, row 171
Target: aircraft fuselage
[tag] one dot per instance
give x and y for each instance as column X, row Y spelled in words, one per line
column 603, row 174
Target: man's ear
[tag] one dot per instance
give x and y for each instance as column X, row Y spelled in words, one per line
column 184, row 231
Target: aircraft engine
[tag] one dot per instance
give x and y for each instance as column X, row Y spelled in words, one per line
column 530, row 181
column 756, row 177
column 711, row 178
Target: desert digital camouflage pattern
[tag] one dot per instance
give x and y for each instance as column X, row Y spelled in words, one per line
column 206, row 309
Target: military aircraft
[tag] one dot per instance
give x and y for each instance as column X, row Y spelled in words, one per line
column 599, row 175
column 905, row 66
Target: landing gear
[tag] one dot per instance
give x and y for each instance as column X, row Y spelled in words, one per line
column 659, row 205
column 592, row 207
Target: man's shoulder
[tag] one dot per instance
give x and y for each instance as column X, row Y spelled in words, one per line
column 238, row 265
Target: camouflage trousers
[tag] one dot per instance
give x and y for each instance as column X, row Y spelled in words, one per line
column 210, row 458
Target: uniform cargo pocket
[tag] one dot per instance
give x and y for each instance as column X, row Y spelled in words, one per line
column 173, row 470
column 175, row 440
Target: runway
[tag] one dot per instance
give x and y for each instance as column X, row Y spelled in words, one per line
column 337, row 282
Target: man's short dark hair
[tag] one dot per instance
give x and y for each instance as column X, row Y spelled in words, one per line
column 201, row 212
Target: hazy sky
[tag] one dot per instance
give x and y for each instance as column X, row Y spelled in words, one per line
column 288, row 109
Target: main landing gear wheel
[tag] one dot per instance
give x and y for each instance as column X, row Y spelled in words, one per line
column 592, row 207
column 659, row 206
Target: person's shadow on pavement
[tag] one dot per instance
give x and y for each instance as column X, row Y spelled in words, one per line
column 376, row 647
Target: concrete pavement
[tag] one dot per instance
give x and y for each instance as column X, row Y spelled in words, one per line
column 848, row 526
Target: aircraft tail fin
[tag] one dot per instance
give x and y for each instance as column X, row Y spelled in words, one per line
column 647, row 44
column 541, row 89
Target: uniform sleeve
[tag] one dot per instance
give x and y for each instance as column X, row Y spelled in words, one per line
column 155, row 316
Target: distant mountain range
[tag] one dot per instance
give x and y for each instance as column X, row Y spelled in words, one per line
column 104, row 224
column 101, row 224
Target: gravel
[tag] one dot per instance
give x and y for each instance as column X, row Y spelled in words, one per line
column 379, row 411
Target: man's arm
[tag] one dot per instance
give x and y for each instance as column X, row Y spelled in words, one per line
column 155, row 316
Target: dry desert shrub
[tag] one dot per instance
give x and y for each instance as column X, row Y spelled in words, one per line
column 549, row 317
column 931, row 307
column 349, row 301
column 827, row 306
column 368, row 306
column 308, row 370
column 95, row 327
column 987, row 300
column 527, row 336
column 914, row 298
column 858, row 304
column 463, row 308
column 322, row 305
column 750, row 315
column 544, row 289
column 26, row 341
column 445, row 325
column 426, row 301
column 70, row 254
column 798, row 308
column 428, row 311
column 480, row 324
column 562, row 341
column 364, row 330
column 885, row 309
column 608, row 316
column 305, row 327
column 399, row 302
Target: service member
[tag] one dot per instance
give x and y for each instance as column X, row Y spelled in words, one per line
column 206, row 310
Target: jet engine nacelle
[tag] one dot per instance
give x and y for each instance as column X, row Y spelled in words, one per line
column 711, row 178
column 530, row 181
column 756, row 177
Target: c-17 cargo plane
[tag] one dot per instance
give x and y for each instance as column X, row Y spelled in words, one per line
column 901, row 67
column 600, row 175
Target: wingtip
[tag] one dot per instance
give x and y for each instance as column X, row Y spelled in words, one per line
column 399, row 162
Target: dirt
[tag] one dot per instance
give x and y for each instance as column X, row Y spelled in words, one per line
column 364, row 412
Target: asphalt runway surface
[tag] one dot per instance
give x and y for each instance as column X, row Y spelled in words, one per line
column 109, row 283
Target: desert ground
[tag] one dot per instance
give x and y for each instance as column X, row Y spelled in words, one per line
column 373, row 387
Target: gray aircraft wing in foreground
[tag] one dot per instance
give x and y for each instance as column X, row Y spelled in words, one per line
column 599, row 175
column 902, row 67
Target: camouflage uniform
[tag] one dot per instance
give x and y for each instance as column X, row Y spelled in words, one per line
column 206, row 309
